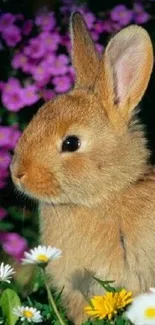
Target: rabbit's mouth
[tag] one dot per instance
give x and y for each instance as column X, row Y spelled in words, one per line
column 35, row 182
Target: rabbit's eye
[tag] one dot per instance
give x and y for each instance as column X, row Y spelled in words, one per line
column 71, row 144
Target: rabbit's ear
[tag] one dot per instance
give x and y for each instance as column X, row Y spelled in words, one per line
column 84, row 55
column 125, row 72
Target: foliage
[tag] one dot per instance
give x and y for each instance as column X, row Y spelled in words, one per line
column 49, row 304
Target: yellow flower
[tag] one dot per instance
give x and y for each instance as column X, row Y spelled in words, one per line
column 109, row 304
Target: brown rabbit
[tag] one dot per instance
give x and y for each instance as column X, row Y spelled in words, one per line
column 85, row 159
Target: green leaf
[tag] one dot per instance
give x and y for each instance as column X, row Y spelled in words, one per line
column 120, row 320
column 5, row 225
column 9, row 300
column 12, row 118
column 105, row 284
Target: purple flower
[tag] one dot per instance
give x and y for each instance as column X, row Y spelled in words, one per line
column 27, row 27
column 95, row 35
column 30, row 95
column 35, row 49
column 121, row 14
column 50, row 41
column 107, row 26
column 5, row 159
column 19, row 60
column 140, row 16
column 71, row 72
column 62, row 83
column 9, row 136
column 99, row 48
column 47, row 94
column 65, row 41
column 90, row 19
column 12, row 35
column 5, row 136
column 3, row 213
column 41, row 73
column 99, row 27
column 5, row 21
column 13, row 244
column 46, row 21
column 12, row 95
column 16, row 133
column 60, row 65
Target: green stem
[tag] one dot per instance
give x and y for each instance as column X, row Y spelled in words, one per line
column 51, row 300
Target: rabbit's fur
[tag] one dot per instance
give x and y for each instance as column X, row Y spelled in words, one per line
column 97, row 204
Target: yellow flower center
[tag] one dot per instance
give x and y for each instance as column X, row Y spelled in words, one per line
column 27, row 313
column 42, row 258
column 150, row 312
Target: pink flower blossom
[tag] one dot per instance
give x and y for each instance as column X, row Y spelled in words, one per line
column 12, row 35
column 5, row 159
column 5, row 136
column 60, row 65
column 99, row 48
column 47, row 94
column 5, row 21
column 13, row 244
column 41, row 73
column 30, row 95
column 98, row 27
column 16, row 133
column 46, row 21
column 90, row 19
column 27, row 27
column 21, row 61
column 140, row 16
column 62, row 84
column 49, row 59
column 3, row 213
column 50, row 41
column 35, row 49
column 94, row 35
column 12, row 95
column 107, row 26
column 121, row 14
column 9, row 136
column 71, row 72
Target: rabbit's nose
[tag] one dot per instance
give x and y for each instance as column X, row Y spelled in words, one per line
column 19, row 175
column 16, row 172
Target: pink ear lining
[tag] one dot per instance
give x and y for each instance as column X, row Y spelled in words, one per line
column 126, row 70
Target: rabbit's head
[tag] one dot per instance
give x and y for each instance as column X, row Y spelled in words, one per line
column 84, row 145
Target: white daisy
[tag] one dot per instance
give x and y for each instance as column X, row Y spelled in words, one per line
column 142, row 310
column 28, row 313
column 41, row 255
column 6, row 272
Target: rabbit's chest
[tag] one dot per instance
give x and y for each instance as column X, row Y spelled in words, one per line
column 85, row 243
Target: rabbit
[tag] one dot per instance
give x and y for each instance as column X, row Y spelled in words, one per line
column 84, row 158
